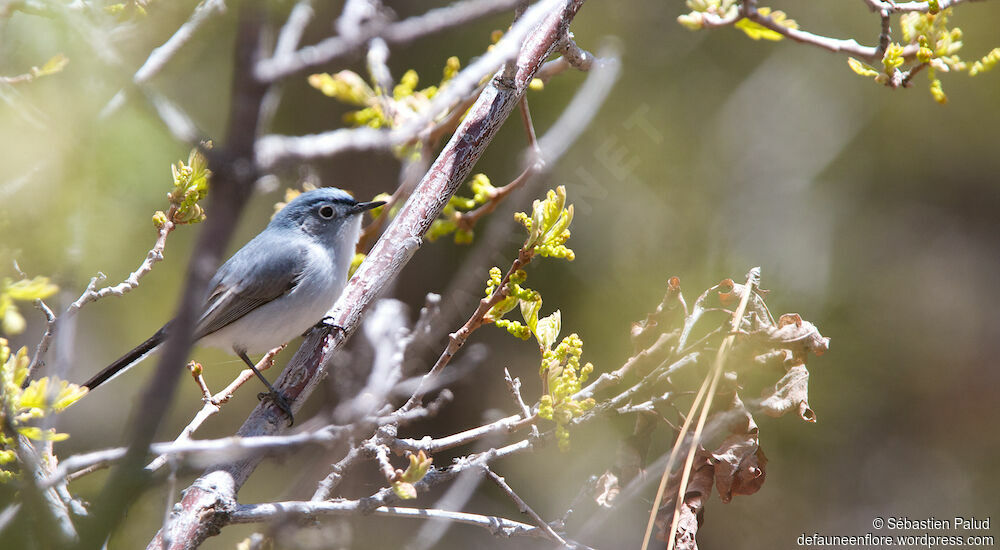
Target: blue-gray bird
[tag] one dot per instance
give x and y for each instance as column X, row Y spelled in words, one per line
column 277, row 286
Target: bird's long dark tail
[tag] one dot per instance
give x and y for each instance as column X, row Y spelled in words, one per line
column 128, row 360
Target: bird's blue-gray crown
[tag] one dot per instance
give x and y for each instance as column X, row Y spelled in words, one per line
column 319, row 207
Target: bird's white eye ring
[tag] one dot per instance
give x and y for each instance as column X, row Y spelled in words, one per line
column 326, row 212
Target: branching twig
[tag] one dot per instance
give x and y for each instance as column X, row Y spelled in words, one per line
column 330, row 482
column 850, row 47
column 468, row 220
column 457, row 339
column 213, row 403
column 92, row 293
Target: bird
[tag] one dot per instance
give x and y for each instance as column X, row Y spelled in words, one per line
column 274, row 288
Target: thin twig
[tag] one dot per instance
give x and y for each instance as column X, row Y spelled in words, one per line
column 429, row 445
column 576, row 56
column 523, row 507
column 514, row 385
column 92, row 293
column 457, row 339
column 213, row 403
column 850, row 47
column 43, row 344
column 330, row 482
column 454, row 498
column 171, row 497
column 468, row 220
column 501, row 527
column 381, row 454
column 884, row 36
column 204, row 451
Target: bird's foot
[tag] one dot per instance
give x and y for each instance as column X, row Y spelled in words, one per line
column 333, row 326
column 279, row 401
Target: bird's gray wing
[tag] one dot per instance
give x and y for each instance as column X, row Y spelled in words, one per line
column 263, row 270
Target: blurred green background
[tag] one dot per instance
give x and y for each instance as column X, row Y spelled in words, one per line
column 872, row 212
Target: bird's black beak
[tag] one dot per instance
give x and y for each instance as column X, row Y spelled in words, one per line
column 362, row 206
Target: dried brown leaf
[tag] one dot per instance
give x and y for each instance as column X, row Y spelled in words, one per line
column 791, row 393
column 740, row 466
column 797, row 335
column 692, row 510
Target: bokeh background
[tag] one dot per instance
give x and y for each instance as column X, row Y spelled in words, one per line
column 872, row 212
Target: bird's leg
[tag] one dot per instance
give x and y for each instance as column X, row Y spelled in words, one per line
column 275, row 396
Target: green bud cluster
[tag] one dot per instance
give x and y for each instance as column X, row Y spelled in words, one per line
column 565, row 378
column 937, row 48
column 515, row 328
column 986, row 63
column 19, row 406
column 419, row 465
column 376, row 109
column 695, row 19
column 548, row 225
column 448, row 223
column 560, row 368
column 893, row 58
column 190, row 187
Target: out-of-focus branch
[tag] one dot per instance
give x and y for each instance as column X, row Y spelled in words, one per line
column 198, row 452
column 523, row 506
column 161, row 55
column 50, row 514
column 339, row 47
column 288, row 40
column 506, row 425
column 905, row 7
column 498, row 526
column 275, row 149
column 233, row 176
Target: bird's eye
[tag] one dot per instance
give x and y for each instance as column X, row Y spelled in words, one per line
column 326, row 212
